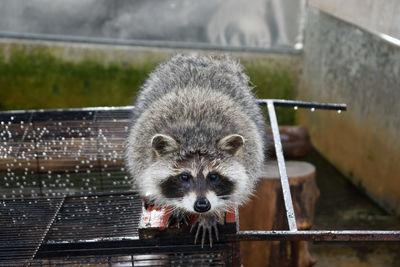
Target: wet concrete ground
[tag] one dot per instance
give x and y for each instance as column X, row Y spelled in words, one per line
column 341, row 206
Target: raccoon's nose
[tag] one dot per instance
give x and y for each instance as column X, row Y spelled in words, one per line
column 202, row 205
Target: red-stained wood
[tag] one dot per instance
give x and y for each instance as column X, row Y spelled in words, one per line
column 154, row 221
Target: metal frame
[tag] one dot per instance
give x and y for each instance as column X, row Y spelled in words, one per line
column 119, row 246
column 138, row 246
column 293, row 234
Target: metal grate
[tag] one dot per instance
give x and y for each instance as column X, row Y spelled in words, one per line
column 96, row 218
column 52, row 153
column 65, row 196
column 63, row 171
column 24, row 225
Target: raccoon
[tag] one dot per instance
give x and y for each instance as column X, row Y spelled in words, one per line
column 196, row 141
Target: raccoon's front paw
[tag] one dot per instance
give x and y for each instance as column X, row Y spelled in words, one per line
column 206, row 223
column 178, row 218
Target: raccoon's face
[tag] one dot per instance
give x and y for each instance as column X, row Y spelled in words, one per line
column 198, row 183
column 197, row 189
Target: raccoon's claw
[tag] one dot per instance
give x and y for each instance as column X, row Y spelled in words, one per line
column 205, row 223
column 178, row 219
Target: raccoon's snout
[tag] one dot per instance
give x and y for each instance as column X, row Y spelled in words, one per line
column 202, row 205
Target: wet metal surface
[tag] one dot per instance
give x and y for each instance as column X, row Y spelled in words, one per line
column 57, row 152
column 58, row 208
column 23, row 227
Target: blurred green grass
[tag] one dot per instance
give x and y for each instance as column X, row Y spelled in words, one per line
column 39, row 80
column 36, row 79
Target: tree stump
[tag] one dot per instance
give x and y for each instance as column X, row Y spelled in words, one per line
column 295, row 141
column 266, row 211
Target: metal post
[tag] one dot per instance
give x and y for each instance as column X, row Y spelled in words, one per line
column 282, row 168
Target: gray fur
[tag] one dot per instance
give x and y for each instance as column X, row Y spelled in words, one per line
column 196, row 100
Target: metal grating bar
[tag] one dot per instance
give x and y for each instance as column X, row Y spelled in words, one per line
column 282, row 168
column 48, row 227
column 193, row 258
column 128, row 247
column 303, row 104
column 310, row 235
column 140, row 247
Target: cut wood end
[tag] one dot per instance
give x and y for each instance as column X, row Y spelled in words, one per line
column 294, row 169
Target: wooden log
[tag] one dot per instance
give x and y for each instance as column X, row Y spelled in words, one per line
column 266, row 211
column 295, row 141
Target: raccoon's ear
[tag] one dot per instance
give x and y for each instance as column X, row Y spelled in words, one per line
column 163, row 144
column 231, row 144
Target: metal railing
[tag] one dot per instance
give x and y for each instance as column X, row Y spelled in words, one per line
column 294, row 234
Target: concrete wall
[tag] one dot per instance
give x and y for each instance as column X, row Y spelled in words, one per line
column 373, row 15
column 346, row 64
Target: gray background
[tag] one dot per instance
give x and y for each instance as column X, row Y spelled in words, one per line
column 233, row 23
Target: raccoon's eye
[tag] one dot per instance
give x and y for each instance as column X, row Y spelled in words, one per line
column 184, row 177
column 214, row 177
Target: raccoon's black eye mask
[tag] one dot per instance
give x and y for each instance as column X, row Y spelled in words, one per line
column 221, row 185
column 177, row 186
